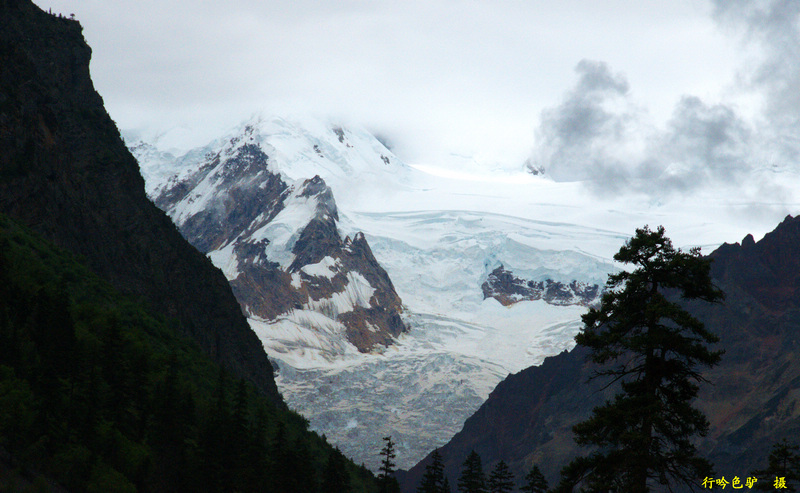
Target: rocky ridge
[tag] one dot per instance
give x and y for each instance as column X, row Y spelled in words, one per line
column 508, row 289
column 277, row 241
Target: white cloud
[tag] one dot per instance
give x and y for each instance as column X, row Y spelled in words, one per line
column 435, row 76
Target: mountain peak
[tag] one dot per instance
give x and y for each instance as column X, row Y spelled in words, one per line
column 277, row 240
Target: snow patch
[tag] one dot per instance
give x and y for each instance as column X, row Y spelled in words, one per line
column 356, row 293
column 304, row 339
column 285, row 229
column 225, row 259
column 327, row 268
column 297, row 281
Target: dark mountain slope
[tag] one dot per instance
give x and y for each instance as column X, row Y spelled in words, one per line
column 65, row 172
column 98, row 395
column 752, row 400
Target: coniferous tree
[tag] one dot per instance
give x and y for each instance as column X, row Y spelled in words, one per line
column 446, row 486
column 292, row 464
column 243, row 437
column 259, row 450
column 433, row 479
column 299, row 471
column 216, row 460
column 241, row 422
column 282, row 476
column 535, row 481
column 335, row 478
column 472, row 479
column 655, row 349
column 171, row 430
column 98, row 395
column 783, row 462
column 386, row 480
column 501, row 480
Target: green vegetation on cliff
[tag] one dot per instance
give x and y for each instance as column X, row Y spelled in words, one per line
column 99, row 395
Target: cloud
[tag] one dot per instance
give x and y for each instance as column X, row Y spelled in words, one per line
column 583, row 117
column 599, row 135
column 580, row 139
column 703, row 145
column 444, row 77
column 775, row 26
column 772, row 28
column 438, row 76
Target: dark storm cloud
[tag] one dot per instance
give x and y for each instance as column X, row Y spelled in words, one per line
column 774, row 28
column 702, row 145
column 582, row 116
column 598, row 134
column 575, row 136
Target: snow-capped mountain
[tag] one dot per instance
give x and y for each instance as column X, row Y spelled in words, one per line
column 277, row 242
column 493, row 271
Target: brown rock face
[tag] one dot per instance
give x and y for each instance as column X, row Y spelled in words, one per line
column 65, row 172
column 508, row 289
column 241, row 196
column 384, row 306
column 752, row 399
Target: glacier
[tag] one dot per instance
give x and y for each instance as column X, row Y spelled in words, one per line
column 438, row 231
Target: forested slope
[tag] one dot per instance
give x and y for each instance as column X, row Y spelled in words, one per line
column 65, row 172
column 99, row 395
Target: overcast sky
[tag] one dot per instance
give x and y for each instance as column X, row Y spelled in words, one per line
column 617, row 91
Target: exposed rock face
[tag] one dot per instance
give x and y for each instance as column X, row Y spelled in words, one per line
column 508, row 289
column 65, row 172
column 372, row 324
column 278, row 242
column 752, row 399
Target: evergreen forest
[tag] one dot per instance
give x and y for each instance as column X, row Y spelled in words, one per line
column 97, row 394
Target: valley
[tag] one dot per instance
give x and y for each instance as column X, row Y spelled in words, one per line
column 438, row 235
column 255, row 309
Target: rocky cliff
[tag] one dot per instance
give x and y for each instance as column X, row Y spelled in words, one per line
column 507, row 288
column 752, row 399
column 65, row 172
column 278, row 243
